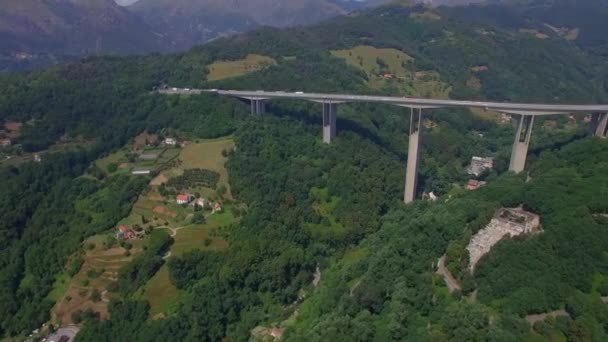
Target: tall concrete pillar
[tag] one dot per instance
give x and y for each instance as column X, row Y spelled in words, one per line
column 413, row 156
column 523, row 134
column 599, row 124
column 258, row 107
column 329, row 122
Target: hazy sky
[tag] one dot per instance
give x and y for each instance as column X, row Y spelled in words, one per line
column 125, row 2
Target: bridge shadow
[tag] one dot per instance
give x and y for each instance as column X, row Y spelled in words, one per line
column 311, row 115
column 556, row 145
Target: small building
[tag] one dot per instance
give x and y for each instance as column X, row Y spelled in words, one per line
column 217, row 207
column 479, row 165
column 170, row 141
column 430, row 196
column 125, row 232
column 203, row 203
column 37, row 158
column 140, row 172
column 388, row 76
column 184, row 198
column 475, row 184
column 505, row 118
column 5, row 142
column 587, row 119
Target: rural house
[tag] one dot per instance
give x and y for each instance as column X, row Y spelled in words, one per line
column 125, row 232
column 170, row 141
column 184, row 198
column 203, row 203
column 475, row 184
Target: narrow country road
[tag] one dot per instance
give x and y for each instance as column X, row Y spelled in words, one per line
column 450, row 281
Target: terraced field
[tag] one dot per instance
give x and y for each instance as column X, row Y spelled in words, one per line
column 227, row 69
column 100, row 268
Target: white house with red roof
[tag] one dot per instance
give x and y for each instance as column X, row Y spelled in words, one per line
column 184, row 198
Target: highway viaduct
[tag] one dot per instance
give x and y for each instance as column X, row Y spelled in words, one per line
column 523, row 112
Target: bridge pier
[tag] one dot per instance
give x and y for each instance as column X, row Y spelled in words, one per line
column 523, row 134
column 330, row 111
column 413, row 156
column 258, row 106
column 599, row 124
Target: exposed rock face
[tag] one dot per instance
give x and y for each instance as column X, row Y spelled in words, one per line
column 507, row 222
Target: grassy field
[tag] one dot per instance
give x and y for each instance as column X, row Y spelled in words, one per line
column 164, row 298
column 151, row 210
column 408, row 82
column 60, row 287
column 366, row 57
column 147, row 159
column 206, row 154
column 227, row 69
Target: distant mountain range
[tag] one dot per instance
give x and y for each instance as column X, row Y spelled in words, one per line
column 36, row 32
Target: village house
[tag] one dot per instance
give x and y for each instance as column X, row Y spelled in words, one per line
column 170, row 141
column 125, row 232
column 475, row 184
column 203, row 203
column 479, row 165
column 217, row 207
column 184, row 198
column 5, row 142
column 140, row 172
column 430, row 196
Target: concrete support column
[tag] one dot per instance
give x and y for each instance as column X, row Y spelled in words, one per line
column 599, row 124
column 329, row 122
column 523, row 134
column 413, row 156
column 258, row 107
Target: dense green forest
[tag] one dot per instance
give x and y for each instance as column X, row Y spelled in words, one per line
column 335, row 208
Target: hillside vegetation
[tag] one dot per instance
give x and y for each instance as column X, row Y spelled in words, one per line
column 324, row 248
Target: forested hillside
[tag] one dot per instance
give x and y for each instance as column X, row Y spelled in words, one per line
column 323, row 212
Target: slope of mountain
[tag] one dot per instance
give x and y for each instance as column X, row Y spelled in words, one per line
column 580, row 22
column 188, row 22
column 33, row 29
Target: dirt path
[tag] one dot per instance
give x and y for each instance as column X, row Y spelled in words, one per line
column 541, row 317
column 450, row 281
column 173, row 230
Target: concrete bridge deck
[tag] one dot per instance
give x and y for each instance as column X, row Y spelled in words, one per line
column 524, row 118
column 505, row 107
